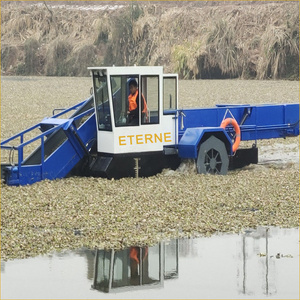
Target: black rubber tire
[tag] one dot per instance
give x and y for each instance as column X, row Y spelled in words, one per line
column 212, row 157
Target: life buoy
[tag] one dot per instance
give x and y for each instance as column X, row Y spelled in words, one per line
column 233, row 122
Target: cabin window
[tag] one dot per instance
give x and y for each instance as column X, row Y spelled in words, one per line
column 101, row 102
column 170, row 94
column 135, row 101
column 124, row 113
column 150, row 100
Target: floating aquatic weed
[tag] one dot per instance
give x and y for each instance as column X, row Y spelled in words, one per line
column 42, row 217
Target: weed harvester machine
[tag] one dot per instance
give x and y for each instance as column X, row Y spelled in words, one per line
column 98, row 138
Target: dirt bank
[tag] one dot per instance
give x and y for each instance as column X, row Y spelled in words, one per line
column 202, row 39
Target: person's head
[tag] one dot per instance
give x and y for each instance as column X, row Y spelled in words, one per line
column 133, row 86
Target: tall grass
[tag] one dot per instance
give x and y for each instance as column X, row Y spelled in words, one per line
column 9, row 58
column 31, row 58
column 58, row 58
column 223, row 41
column 121, row 43
column 279, row 45
column 222, row 49
column 186, row 58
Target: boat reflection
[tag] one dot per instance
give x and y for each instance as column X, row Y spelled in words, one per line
column 135, row 267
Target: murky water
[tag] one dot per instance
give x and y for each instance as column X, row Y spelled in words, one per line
column 261, row 263
column 279, row 154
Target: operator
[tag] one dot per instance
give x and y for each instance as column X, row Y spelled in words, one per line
column 135, row 271
column 133, row 108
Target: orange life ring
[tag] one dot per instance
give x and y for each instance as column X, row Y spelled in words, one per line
column 233, row 122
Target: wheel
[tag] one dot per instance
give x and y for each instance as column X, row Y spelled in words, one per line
column 212, row 157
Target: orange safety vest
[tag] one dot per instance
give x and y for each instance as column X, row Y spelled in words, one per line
column 134, row 253
column 132, row 99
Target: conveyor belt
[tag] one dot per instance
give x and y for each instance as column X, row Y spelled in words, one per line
column 64, row 143
column 56, row 138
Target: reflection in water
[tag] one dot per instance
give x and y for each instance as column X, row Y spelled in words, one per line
column 260, row 263
column 138, row 267
column 263, row 235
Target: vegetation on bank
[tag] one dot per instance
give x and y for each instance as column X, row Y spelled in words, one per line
column 222, row 41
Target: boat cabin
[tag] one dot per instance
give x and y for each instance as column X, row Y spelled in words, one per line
column 136, row 109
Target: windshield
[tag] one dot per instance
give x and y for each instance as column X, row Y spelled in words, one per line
column 135, row 100
column 123, row 113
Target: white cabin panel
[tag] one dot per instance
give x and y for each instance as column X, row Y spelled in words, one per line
column 169, row 124
column 105, row 142
column 148, row 138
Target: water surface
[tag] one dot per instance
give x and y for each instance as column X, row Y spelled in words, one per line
column 261, row 264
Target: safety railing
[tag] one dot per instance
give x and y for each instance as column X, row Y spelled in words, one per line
column 53, row 121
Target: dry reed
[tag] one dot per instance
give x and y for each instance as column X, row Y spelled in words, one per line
column 225, row 41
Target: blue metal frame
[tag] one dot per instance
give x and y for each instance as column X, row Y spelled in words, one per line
column 191, row 139
column 256, row 122
column 61, row 161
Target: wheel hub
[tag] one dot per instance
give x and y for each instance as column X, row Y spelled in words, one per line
column 213, row 161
